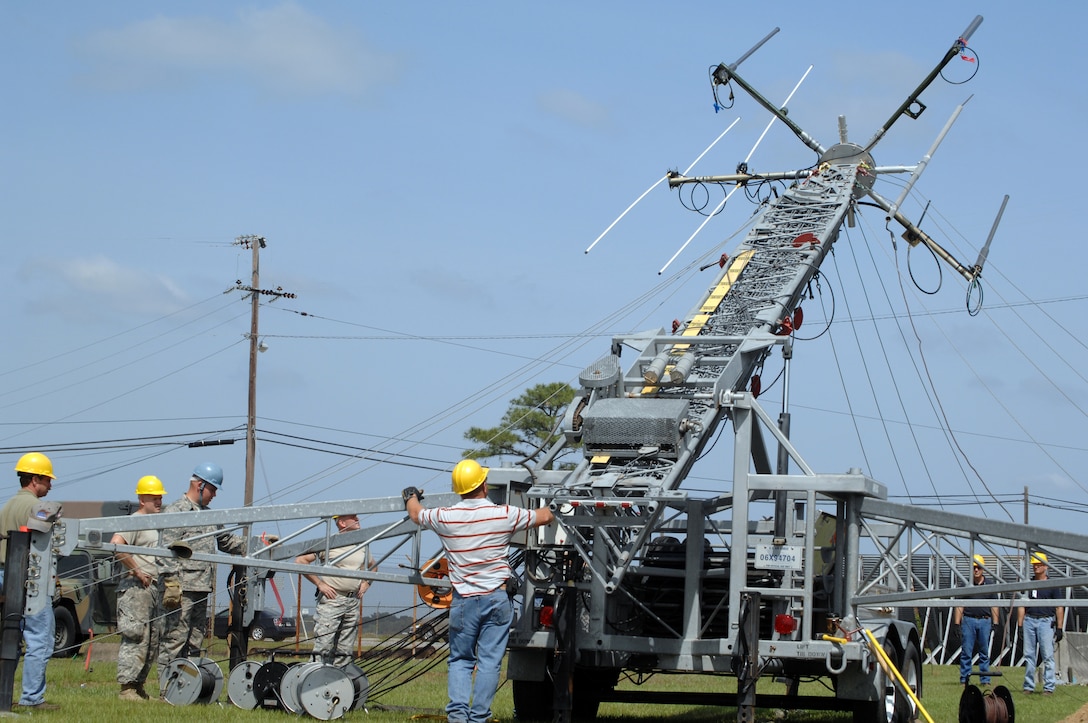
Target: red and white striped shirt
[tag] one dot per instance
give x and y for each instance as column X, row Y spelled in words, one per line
column 476, row 536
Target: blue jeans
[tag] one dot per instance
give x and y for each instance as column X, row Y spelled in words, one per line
column 1039, row 632
column 976, row 639
column 479, row 628
column 38, row 636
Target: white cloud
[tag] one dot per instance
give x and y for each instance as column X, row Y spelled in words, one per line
column 573, row 107
column 83, row 288
column 283, row 50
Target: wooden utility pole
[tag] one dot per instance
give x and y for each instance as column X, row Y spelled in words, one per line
column 255, row 243
column 251, row 416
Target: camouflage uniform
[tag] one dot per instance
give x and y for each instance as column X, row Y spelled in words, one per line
column 336, row 620
column 138, row 619
column 184, row 628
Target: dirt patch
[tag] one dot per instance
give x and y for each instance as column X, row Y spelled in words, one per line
column 1081, row 716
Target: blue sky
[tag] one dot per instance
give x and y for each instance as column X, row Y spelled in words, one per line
column 428, row 177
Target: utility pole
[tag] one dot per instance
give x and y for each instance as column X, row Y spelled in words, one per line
column 255, row 243
column 236, row 639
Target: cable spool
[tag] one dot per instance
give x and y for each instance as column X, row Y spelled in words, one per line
column 240, row 684
column 289, row 685
column 192, row 680
column 990, row 707
column 326, row 692
column 266, row 684
column 362, row 685
column 438, row 598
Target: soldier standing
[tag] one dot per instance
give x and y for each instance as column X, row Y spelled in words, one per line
column 339, row 598
column 187, row 583
column 139, row 597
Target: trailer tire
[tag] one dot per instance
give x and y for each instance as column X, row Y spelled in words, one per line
column 66, row 640
column 532, row 700
column 910, row 667
column 885, row 709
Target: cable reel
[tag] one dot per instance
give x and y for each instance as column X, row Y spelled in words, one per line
column 438, row 598
column 240, row 685
column 323, row 691
column 994, row 706
column 192, row 680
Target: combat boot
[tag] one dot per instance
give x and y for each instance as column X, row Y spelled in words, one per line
column 129, row 692
column 141, row 692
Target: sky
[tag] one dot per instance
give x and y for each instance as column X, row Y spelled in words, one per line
column 428, row 176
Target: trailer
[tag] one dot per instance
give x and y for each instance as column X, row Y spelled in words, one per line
column 780, row 574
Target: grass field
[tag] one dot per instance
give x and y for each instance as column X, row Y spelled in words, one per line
column 415, row 691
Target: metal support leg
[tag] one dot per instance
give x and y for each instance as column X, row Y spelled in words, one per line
column 237, row 642
column 11, row 612
column 563, row 700
column 747, row 667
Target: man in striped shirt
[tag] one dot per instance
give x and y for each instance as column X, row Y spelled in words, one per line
column 475, row 534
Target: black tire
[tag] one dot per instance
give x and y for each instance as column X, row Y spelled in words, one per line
column 66, row 640
column 886, row 708
column 590, row 685
column 910, row 667
column 256, row 632
column 532, row 700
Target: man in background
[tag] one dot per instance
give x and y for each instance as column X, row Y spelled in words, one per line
column 1042, row 627
column 336, row 621
column 187, row 583
column 139, row 597
column 976, row 624
column 35, row 472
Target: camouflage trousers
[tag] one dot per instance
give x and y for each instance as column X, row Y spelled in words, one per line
column 182, row 630
column 335, row 624
column 139, row 624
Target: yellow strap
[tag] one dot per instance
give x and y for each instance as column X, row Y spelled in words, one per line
column 889, row 667
column 736, row 266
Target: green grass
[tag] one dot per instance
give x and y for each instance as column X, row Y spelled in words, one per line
column 91, row 695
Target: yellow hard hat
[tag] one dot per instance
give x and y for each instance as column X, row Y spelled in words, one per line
column 467, row 476
column 149, row 485
column 980, row 560
column 35, row 463
column 1038, row 557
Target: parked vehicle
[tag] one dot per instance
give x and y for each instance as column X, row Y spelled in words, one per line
column 86, row 600
column 86, row 597
column 266, row 625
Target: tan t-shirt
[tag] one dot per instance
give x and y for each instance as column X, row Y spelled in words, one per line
column 358, row 560
column 143, row 538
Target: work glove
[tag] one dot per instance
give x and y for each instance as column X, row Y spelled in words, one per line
column 1058, row 635
column 410, row 492
column 171, row 594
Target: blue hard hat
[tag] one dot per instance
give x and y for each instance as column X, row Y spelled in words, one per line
column 210, row 472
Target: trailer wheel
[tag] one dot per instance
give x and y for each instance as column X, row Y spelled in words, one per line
column 911, row 670
column 885, row 709
column 532, row 700
column 65, row 639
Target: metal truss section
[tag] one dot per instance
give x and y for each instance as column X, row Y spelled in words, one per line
column 641, row 433
column 313, row 530
column 922, row 556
